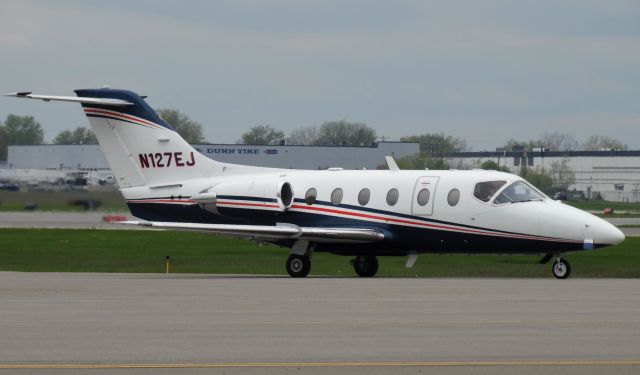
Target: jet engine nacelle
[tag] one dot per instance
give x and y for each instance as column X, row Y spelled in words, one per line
column 223, row 198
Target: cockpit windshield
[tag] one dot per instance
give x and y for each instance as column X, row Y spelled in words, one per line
column 487, row 189
column 519, row 191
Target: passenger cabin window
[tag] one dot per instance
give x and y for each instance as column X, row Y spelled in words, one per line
column 392, row 197
column 453, row 197
column 336, row 196
column 423, row 197
column 486, row 190
column 517, row 192
column 310, row 196
column 363, row 196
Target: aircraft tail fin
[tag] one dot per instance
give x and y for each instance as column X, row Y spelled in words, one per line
column 141, row 148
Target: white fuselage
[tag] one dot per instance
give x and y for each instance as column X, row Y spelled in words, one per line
column 470, row 217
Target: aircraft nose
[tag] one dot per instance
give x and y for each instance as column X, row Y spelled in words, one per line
column 606, row 233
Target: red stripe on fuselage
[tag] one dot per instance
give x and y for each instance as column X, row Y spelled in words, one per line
column 335, row 211
column 435, row 226
column 122, row 116
column 153, row 200
column 248, row 204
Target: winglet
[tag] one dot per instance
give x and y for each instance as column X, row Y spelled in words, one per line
column 391, row 163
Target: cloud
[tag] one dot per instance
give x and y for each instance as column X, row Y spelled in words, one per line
column 405, row 67
column 8, row 39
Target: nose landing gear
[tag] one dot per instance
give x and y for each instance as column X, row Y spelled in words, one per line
column 365, row 265
column 561, row 268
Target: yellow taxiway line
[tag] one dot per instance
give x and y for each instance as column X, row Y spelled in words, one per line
column 634, row 362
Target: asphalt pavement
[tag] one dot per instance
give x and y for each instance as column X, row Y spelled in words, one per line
column 149, row 324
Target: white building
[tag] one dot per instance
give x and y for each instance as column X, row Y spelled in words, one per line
column 57, row 157
column 613, row 175
column 90, row 157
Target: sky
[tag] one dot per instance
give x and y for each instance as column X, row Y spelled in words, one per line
column 486, row 71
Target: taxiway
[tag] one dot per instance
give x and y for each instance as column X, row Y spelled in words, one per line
column 52, row 323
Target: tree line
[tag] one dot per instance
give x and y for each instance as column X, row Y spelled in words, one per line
column 338, row 133
column 557, row 141
column 25, row 130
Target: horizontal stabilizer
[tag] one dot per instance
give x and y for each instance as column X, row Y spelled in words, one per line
column 75, row 99
column 281, row 232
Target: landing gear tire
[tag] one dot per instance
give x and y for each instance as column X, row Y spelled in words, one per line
column 298, row 265
column 561, row 269
column 365, row 265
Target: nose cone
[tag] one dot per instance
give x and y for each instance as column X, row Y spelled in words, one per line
column 606, row 234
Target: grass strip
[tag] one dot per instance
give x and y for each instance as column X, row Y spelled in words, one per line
column 81, row 250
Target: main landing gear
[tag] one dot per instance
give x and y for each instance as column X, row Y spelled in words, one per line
column 299, row 262
column 365, row 265
column 298, row 265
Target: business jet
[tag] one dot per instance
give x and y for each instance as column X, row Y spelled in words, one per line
column 358, row 213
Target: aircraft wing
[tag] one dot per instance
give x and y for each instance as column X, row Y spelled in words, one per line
column 281, row 231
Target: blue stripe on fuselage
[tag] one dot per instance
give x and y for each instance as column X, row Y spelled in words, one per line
column 239, row 213
column 399, row 239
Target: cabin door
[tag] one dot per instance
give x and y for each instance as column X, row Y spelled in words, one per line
column 423, row 195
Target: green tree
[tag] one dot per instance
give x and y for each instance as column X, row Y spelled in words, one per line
column 434, row 144
column 561, row 174
column 493, row 166
column 189, row 129
column 553, row 141
column 432, row 147
column 603, row 142
column 79, row 136
column 517, row 144
column 4, row 143
column 414, row 162
column 19, row 130
column 307, row 135
column 23, row 130
column 345, row 133
column 557, row 141
column 334, row 133
column 262, row 135
column 538, row 177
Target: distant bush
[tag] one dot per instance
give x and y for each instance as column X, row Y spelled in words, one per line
column 87, row 204
column 30, row 206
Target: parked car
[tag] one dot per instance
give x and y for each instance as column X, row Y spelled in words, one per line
column 560, row 196
column 575, row 195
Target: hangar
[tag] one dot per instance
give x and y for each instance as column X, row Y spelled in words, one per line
column 91, row 157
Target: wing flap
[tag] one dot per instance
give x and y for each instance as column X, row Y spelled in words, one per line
column 285, row 231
